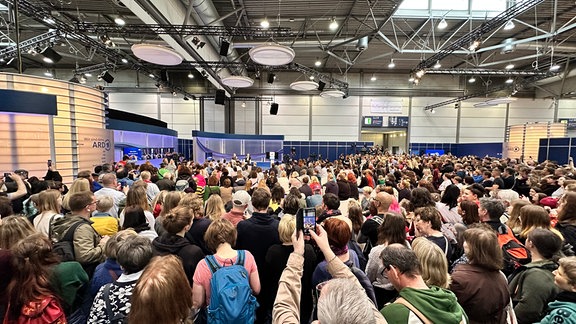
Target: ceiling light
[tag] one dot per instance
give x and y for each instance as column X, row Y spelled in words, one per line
column 474, row 46
column 509, row 25
column 304, row 85
column 311, row 77
column 411, row 79
column 472, row 80
column 391, row 65
column 48, row 73
column 554, row 67
column 174, row 93
column 510, row 80
column 332, row 93
column 318, row 62
column 433, row 111
column 157, row 54
column 437, row 65
column 238, row 81
column 243, row 104
column 509, row 66
column 442, row 24
column 373, row 78
column 88, row 74
column 190, row 75
column 82, row 80
column 272, row 54
column 120, row 21
column 125, row 61
column 152, row 75
column 333, row 24
column 420, row 74
column 265, row 23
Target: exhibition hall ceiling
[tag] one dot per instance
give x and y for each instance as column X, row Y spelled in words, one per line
column 520, row 40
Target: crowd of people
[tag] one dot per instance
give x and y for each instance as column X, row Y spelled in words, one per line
column 398, row 239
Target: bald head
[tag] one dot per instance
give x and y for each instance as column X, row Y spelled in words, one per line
column 383, row 201
column 109, row 180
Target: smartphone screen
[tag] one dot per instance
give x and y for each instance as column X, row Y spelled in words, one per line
column 309, row 220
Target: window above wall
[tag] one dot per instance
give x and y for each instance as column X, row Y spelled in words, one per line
column 479, row 9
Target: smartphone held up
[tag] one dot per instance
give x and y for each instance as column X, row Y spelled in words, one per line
column 306, row 220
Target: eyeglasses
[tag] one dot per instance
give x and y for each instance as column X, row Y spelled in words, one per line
column 93, row 203
column 387, row 268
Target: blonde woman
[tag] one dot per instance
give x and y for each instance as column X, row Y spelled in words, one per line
column 214, row 208
column 284, row 181
column 78, row 185
column 50, row 203
column 434, row 267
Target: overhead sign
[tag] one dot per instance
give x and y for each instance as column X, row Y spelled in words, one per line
column 397, row 121
column 372, row 121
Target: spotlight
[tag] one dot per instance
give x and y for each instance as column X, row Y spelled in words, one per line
column 457, row 105
column 107, row 77
column 437, row 65
column 88, row 74
column 333, row 24
column 391, row 65
column 554, row 67
column 509, row 66
column 204, row 73
column 125, row 61
column 48, row 73
column 186, row 98
column 442, row 24
column 50, row 56
column 200, row 45
column 271, row 77
column 243, row 104
column 318, row 62
column 120, row 21
column 373, row 78
column 311, row 77
column 190, row 75
column 411, row 79
column 74, row 80
column 152, row 76
column 510, row 80
column 420, row 73
column 265, row 23
column 174, row 93
column 472, row 80
column 509, row 25
column 433, row 111
column 82, row 80
column 107, row 41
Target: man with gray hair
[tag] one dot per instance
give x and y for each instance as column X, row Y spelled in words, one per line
column 342, row 300
column 490, row 211
column 110, row 188
column 417, row 303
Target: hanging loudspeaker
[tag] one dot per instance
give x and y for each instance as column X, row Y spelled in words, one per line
column 321, row 85
column 220, row 97
column 274, row 109
column 164, row 75
column 224, row 48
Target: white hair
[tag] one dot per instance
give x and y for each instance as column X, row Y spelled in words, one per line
column 343, row 302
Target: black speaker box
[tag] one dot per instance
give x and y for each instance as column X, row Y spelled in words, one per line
column 271, row 77
column 164, row 75
column 107, row 77
column 321, row 85
column 220, row 97
column 274, row 109
column 224, row 48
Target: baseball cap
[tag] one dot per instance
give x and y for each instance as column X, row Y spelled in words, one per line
column 241, row 198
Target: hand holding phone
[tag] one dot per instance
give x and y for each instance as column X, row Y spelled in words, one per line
column 49, row 163
column 306, row 220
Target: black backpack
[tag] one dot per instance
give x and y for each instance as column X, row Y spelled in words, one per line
column 65, row 246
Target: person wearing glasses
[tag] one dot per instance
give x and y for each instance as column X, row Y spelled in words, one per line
column 88, row 246
column 417, row 303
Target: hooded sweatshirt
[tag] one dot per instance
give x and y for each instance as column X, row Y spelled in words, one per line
column 437, row 304
column 562, row 310
column 177, row 245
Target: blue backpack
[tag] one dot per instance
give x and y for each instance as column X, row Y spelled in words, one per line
column 231, row 299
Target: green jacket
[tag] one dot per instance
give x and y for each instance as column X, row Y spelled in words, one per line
column 531, row 289
column 437, row 304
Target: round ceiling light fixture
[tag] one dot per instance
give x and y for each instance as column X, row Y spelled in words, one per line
column 332, row 93
column 156, row 54
column 272, row 54
column 304, row 85
column 238, row 81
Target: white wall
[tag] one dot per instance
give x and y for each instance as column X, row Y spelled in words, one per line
column 245, row 118
column 292, row 119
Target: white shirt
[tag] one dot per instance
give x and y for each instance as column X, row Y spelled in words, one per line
column 118, row 197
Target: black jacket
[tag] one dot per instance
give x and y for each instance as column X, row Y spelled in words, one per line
column 173, row 244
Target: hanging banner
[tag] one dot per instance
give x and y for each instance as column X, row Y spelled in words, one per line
column 386, row 107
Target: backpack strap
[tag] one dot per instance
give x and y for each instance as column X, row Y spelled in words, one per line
column 240, row 260
column 212, row 263
column 69, row 236
column 421, row 317
column 109, row 313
